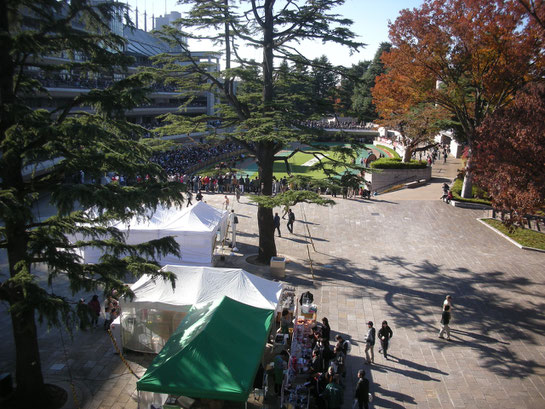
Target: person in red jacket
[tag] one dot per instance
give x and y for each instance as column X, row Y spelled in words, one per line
column 94, row 307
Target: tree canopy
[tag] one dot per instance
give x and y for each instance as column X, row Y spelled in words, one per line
column 469, row 57
column 264, row 115
column 362, row 99
column 510, row 154
column 45, row 154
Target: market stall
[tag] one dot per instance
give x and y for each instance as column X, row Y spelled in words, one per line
column 194, row 228
column 295, row 388
column 151, row 317
column 213, row 354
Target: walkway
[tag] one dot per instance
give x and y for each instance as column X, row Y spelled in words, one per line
column 392, row 258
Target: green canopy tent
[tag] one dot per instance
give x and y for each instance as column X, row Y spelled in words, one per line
column 214, row 353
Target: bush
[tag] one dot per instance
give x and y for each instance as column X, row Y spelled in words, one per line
column 479, row 195
column 395, row 163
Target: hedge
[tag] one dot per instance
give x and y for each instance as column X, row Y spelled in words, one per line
column 396, row 163
column 479, row 195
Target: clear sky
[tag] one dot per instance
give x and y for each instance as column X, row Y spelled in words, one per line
column 370, row 19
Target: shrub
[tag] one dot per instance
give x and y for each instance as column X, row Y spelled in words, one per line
column 479, row 195
column 396, row 163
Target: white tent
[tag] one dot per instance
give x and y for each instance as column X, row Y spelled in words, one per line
column 149, row 320
column 195, row 228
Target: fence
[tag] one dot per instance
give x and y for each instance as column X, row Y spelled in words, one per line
column 532, row 222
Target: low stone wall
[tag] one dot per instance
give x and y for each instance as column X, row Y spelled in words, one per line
column 387, row 178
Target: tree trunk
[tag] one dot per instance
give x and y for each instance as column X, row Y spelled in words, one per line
column 407, row 155
column 467, row 187
column 267, row 247
column 265, row 150
column 30, row 390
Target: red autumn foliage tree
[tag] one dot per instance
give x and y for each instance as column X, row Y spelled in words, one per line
column 467, row 56
column 402, row 109
column 510, row 155
column 536, row 10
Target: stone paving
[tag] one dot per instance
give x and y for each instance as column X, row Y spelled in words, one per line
column 395, row 258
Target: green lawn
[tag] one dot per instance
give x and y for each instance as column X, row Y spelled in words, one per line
column 297, row 162
column 525, row 237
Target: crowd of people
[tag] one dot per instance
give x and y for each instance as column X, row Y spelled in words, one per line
column 327, row 124
column 328, row 364
column 176, row 162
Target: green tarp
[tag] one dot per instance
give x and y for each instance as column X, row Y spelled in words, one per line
column 214, row 353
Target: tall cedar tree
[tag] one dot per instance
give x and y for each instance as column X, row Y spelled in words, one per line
column 467, row 56
column 347, row 88
column 67, row 142
column 510, row 157
column 362, row 99
column 264, row 118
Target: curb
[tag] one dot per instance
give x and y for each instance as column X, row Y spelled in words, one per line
column 520, row 246
column 467, row 205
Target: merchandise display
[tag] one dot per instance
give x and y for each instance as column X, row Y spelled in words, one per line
column 295, row 391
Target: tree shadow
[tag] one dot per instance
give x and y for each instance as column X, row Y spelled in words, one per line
column 405, row 372
column 415, row 365
column 380, row 398
column 493, row 318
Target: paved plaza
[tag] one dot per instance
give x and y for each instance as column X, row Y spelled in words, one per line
column 392, row 258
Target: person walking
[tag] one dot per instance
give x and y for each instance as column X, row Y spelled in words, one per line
column 291, row 219
column 448, row 301
column 370, row 343
column 233, row 221
column 226, row 202
column 189, row 197
column 94, row 307
column 384, row 334
column 445, row 319
column 362, row 390
column 276, row 224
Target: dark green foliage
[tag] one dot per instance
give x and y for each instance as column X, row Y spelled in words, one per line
column 273, row 97
column 41, row 156
column 291, row 198
column 362, row 99
column 396, row 163
column 478, row 195
column 348, row 87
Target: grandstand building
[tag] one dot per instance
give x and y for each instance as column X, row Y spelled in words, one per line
column 62, row 86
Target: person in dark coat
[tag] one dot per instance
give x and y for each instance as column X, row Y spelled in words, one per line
column 276, row 224
column 326, row 329
column 291, row 219
column 370, row 343
column 384, row 334
column 362, row 390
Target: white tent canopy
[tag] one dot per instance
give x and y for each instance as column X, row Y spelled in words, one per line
column 194, row 228
column 156, row 310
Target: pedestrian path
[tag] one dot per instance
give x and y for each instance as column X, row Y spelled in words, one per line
column 441, row 173
column 392, row 258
